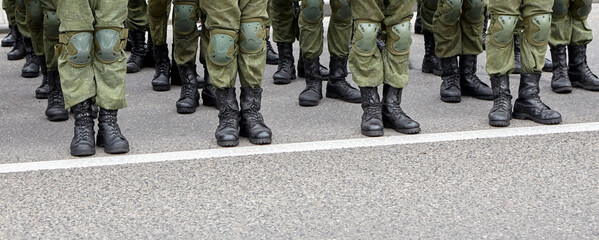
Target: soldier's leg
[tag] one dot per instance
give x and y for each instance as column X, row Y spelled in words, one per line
column 448, row 40
column 185, row 39
column 272, row 57
column 561, row 35
column 366, row 62
column 338, row 40
column 311, row 45
column 55, row 111
column 537, row 28
column 23, row 39
column 137, row 22
column 430, row 63
column 9, row 8
column 579, row 72
column 208, row 92
column 158, row 13
column 34, row 47
column 251, row 62
column 282, row 16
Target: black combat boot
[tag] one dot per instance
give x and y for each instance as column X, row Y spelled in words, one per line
column 11, row 38
column 418, row 23
column 138, row 51
column 109, row 133
column 393, row 116
column 430, row 63
column 83, row 143
column 56, row 110
column 163, row 69
column 501, row 113
column 190, row 96
column 18, row 49
column 175, row 76
column 42, row 91
column 450, row 87
column 372, row 118
column 338, row 87
column 579, row 72
column 560, row 82
column 208, row 92
column 286, row 69
column 548, row 67
column 301, row 72
column 528, row 104
column 149, row 59
column 272, row 57
column 517, row 55
column 470, row 84
column 31, row 68
column 252, row 123
column 227, row 132
column 313, row 91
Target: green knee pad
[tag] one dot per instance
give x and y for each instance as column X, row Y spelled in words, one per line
column 560, row 8
column 251, row 37
column 343, row 10
column 537, row 29
column 51, row 24
column 502, row 29
column 475, row 11
column 108, row 44
column 581, row 9
column 311, row 10
column 399, row 38
column 221, row 49
column 78, row 47
column 453, row 15
column 184, row 18
column 35, row 17
column 365, row 38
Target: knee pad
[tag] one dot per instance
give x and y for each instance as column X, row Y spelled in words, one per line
column 453, row 14
column 185, row 17
column 311, row 10
column 399, row 38
column 78, row 47
column 109, row 43
column 560, row 8
column 581, row 9
column 222, row 48
column 475, row 10
column 537, row 29
column 502, row 29
column 365, row 38
column 251, row 35
column 343, row 10
column 34, row 7
column 51, row 25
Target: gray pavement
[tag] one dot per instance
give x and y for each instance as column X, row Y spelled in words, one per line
column 517, row 187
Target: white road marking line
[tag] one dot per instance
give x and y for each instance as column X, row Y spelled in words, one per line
column 296, row 147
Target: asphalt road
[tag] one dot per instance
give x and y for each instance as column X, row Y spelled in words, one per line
column 542, row 186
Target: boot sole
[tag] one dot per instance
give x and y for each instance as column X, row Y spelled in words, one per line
column 525, row 116
column 562, row 90
column 401, row 130
column 186, row 110
column 487, row 98
column 378, row 133
column 590, row 88
column 58, row 118
column 308, row 103
column 451, row 99
column 337, row 96
column 228, row 143
column 8, row 44
column 161, row 88
column 499, row 123
column 260, row 141
column 282, row 81
column 89, row 152
column 429, row 70
column 41, row 95
column 30, row 75
column 15, row 58
column 133, row 70
column 272, row 62
column 116, row 150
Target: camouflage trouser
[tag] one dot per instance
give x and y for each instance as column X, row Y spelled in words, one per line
column 35, row 21
column 500, row 44
column 137, row 15
column 9, row 7
column 95, row 70
column 458, row 27
column 569, row 25
column 282, row 18
column 427, row 12
column 373, row 68
column 21, row 18
column 185, row 34
column 231, row 51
